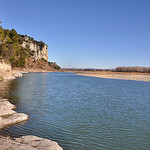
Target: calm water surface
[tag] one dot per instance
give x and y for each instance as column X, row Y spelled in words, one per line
column 83, row 113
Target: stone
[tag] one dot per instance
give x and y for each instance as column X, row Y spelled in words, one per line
column 38, row 50
column 28, row 143
column 13, row 119
column 9, row 117
column 10, row 75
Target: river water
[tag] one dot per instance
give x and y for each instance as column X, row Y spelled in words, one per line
column 83, row 113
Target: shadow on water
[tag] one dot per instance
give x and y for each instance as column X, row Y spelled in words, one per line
column 5, row 88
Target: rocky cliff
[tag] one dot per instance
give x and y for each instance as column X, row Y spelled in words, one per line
column 4, row 66
column 39, row 49
column 22, row 51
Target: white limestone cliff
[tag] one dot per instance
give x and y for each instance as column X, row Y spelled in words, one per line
column 40, row 50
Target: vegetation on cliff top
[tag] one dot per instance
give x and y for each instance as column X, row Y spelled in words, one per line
column 12, row 51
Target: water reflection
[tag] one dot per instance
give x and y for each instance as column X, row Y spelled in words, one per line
column 5, row 89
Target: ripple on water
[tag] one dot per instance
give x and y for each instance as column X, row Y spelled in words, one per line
column 83, row 112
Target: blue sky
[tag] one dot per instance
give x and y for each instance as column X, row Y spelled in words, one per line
column 85, row 33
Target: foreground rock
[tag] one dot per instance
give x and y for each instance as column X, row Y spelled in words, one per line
column 9, row 117
column 27, row 143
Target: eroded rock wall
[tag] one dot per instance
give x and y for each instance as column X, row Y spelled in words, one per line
column 5, row 66
column 40, row 50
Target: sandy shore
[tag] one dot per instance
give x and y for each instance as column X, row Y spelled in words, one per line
column 116, row 75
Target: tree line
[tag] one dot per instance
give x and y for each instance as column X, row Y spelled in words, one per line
column 133, row 69
column 10, row 48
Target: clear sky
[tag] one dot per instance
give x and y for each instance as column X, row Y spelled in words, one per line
column 85, row 33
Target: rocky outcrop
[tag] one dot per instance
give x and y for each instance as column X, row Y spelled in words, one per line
column 5, row 66
column 28, row 143
column 9, row 117
column 39, row 49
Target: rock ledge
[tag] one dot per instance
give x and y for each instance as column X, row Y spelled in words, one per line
column 27, row 143
column 9, row 117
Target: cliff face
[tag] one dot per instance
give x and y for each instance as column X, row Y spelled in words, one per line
column 4, row 66
column 22, row 51
column 39, row 49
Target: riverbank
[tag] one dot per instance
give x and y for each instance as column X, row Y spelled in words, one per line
column 10, row 75
column 10, row 117
column 116, row 75
column 13, row 74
